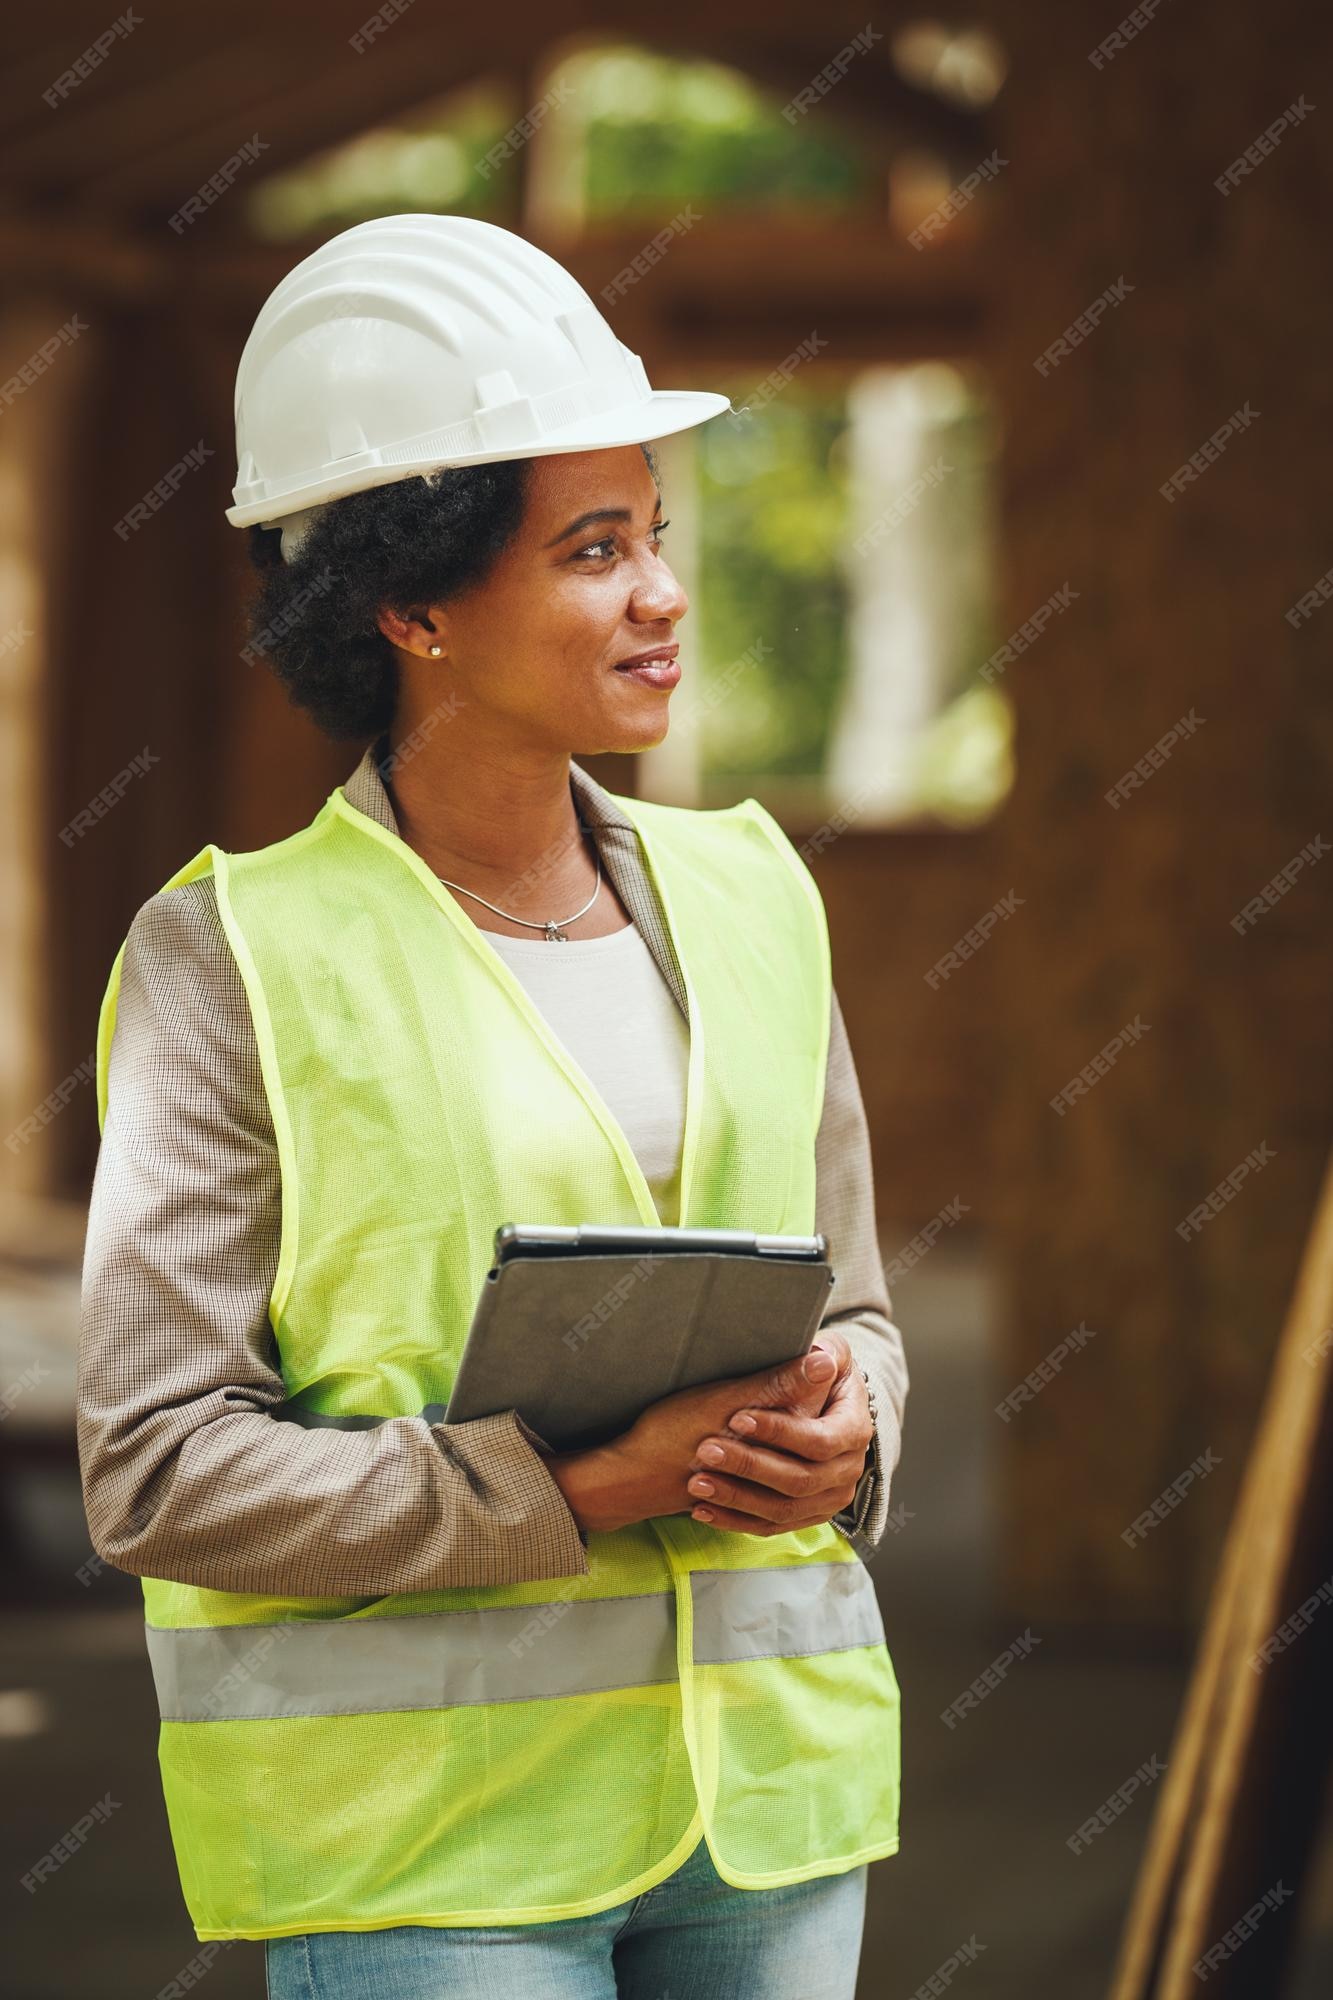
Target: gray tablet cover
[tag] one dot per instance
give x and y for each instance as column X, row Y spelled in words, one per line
column 579, row 1345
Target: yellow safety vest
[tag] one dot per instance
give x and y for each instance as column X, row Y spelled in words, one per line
column 521, row 1752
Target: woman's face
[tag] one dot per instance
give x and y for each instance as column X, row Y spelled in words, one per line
column 584, row 584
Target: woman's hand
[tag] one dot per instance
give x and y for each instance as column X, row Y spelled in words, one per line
column 771, row 1469
column 644, row 1471
column 768, row 1481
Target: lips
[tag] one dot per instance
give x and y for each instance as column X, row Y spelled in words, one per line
column 658, row 668
column 666, row 652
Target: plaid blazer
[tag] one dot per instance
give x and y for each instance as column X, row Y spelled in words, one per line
column 186, row 1473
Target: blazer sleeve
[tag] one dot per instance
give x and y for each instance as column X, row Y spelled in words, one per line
column 187, row 1474
column 858, row 1304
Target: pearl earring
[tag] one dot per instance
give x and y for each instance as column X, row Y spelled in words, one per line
column 436, row 651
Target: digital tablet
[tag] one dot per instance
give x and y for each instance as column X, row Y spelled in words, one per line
column 580, row 1327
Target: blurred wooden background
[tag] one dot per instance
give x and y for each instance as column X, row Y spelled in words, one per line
column 1125, row 914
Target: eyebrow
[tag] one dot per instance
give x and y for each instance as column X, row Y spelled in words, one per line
column 598, row 514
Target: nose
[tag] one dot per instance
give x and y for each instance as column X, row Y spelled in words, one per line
column 657, row 594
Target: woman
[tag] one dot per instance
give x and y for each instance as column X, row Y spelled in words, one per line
column 441, row 1706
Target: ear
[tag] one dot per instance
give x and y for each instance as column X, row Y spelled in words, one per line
column 415, row 630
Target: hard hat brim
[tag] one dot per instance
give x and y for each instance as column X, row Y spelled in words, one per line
column 661, row 413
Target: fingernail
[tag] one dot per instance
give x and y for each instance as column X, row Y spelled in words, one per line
column 742, row 1424
column 701, row 1486
column 703, row 1513
column 818, row 1365
column 712, row 1454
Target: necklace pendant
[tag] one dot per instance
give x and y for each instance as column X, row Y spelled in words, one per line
column 554, row 934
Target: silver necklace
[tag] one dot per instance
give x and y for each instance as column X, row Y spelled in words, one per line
column 552, row 925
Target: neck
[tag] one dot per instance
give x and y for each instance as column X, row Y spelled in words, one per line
column 501, row 822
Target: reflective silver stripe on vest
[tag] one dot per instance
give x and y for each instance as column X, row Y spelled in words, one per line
column 518, row 1652
column 753, row 1614
column 512, row 1652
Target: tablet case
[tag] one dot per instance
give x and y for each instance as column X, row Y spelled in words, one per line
column 579, row 1345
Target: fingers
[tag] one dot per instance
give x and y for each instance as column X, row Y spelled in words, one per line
column 809, row 1379
column 773, row 1470
column 819, row 1438
column 836, row 1344
column 844, row 1424
column 806, row 1490
column 804, row 1383
column 805, row 1437
column 793, row 1473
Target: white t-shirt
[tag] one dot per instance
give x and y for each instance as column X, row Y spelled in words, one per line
column 607, row 1001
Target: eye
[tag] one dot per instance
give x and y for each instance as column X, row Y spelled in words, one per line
column 609, row 541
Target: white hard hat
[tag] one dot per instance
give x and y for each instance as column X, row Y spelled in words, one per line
column 418, row 341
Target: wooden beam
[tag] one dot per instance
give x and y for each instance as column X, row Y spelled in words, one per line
column 83, row 257
column 152, row 100
column 151, row 135
column 1239, row 1806
column 729, row 287
column 166, row 109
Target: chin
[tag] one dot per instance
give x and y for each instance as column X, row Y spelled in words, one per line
column 648, row 739
column 626, row 737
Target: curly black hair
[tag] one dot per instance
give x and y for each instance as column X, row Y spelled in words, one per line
column 412, row 542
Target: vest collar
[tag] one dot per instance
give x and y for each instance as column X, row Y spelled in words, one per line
column 366, row 790
column 617, row 840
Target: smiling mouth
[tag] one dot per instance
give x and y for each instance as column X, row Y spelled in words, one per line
column 658, row 670
column 653, row 656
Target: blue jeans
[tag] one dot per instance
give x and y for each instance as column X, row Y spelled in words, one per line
column 690, row 1935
